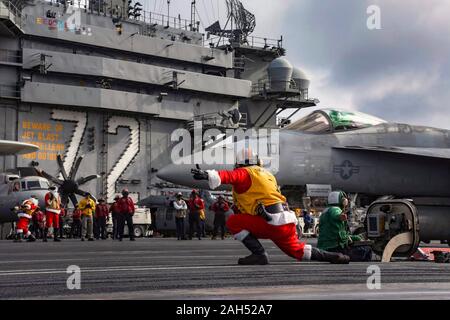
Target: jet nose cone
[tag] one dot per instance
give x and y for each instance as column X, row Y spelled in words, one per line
column 166, row 173
column 180, row 175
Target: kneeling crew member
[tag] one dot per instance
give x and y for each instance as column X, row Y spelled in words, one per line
column 334, row 235
column 263, row 212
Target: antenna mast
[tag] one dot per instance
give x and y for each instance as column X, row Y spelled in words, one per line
column 193, row 9
column 242, row 23
column 168, row 13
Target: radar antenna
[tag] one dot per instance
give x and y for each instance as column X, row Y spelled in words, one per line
column 242, row 22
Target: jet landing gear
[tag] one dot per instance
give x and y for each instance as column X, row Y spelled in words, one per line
column 393, row 226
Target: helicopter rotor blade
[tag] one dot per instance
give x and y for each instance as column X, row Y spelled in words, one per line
column 50, row 177
column 83, row 180
column 61, row 167
column 80, row 192
column 83, row 193
column 75, row 167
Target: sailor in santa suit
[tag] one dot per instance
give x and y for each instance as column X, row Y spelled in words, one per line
column 263, row 212
column 52, row 211
column 25, row 213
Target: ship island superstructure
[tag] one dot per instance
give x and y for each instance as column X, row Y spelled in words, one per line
column 110, row 81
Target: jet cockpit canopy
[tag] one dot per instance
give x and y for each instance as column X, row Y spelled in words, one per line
column 333, row 120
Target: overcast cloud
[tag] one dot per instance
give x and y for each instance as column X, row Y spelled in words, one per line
column 399, row 73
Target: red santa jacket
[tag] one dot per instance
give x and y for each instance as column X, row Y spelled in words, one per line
column 101, row 211
column 251, row 186
column 239, row 179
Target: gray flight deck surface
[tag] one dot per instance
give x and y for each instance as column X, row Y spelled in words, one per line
column 170, row 269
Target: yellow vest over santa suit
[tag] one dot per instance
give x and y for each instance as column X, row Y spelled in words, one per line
column 53, row 204
column 264, row 190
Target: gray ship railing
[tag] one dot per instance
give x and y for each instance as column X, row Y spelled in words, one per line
column 147, row 17
column 215, row 120
column 265, row 86
column 10, row 56
column 9, row 91
column 10, row 11
column 167, row 21
column 252, row 41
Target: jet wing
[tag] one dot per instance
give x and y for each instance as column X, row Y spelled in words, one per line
column 436, row 153
column 13, row 147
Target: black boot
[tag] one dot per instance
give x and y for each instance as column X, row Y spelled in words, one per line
column 44, row 236
column 19, row 237
column 55, row 235
column 326, row 256
column 31, row 238
column 258, row 256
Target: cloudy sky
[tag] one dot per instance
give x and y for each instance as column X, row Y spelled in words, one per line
column 399, row 73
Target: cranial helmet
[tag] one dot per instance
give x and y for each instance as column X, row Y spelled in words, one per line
column 247, row 157
column 336, row 198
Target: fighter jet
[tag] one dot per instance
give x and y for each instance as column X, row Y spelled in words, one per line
column 358, row 153
column 355, row 152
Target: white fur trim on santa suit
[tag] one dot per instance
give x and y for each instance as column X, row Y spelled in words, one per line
column 214, row 179
column 283, row 218
column 241, row 235
column 24, row 215
column 307, row 252
column 53, row 210
column 28, row 233
column 19, row 231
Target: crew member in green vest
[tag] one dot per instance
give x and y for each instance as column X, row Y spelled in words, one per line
column 334, row 234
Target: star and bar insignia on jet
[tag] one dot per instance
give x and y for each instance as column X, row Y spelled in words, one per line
column 346, row 170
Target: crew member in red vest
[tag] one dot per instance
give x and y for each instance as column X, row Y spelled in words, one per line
column 76, row 222
column 101, row 215
column 196, row 205
column 264, row 213
column 38, row 223
column 126, row 213
column 114, row 209
column 220, row 208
